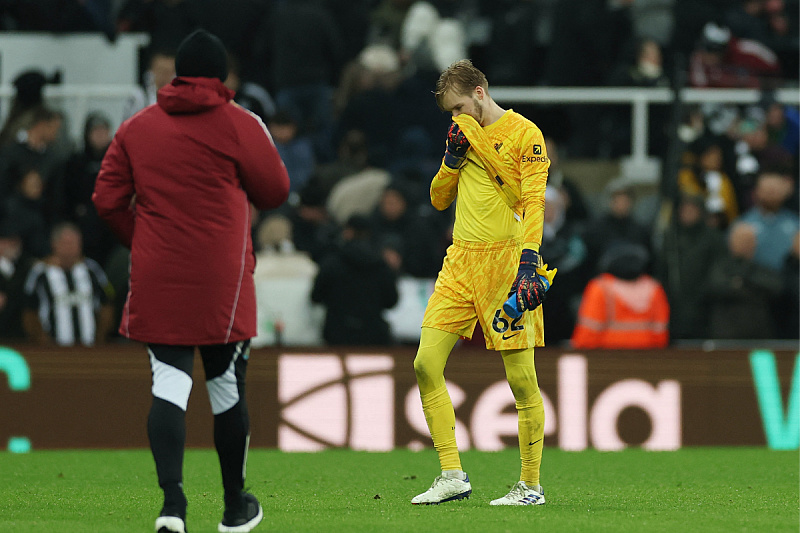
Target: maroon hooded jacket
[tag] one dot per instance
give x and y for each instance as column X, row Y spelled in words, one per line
column 176, row 186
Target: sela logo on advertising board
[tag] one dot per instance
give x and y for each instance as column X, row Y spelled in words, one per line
column 329, row 400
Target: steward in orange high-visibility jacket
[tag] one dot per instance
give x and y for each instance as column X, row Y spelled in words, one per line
column 623, row 307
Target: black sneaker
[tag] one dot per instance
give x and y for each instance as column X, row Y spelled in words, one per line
column 243, row 519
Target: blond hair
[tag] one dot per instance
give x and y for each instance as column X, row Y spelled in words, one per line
column 461, row 78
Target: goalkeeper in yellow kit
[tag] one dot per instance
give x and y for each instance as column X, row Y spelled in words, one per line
column 496, row 163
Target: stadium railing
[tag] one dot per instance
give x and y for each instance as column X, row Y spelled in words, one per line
column 76, row 100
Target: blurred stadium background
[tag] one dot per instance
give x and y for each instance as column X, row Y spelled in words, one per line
column 649, row 108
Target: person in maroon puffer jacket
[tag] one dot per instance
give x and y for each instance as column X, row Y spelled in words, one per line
column 176, row 186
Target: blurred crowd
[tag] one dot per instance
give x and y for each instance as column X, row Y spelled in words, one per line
column 344, row 88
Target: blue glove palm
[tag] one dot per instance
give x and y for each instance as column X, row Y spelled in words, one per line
column 529, row 288
column 457, row 146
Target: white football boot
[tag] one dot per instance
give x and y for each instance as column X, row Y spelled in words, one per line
column 522, row 494
column 445, row 488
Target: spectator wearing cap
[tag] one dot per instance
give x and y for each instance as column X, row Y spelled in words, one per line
column 15, row 265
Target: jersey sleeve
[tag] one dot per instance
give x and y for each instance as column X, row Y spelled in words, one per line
column 444, row 187
column 533, row 165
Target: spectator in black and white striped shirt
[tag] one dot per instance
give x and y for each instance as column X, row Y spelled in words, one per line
column 67, row 300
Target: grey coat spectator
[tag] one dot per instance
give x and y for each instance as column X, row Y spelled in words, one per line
column 741, row 291
column 775, row 225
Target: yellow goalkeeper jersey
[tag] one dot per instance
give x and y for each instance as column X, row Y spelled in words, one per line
column 501, row 185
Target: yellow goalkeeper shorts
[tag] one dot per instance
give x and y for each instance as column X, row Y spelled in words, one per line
column 473, row 285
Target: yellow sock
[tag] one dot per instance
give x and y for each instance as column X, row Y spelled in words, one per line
column 441, row 420
column 521, row 375
column 531, row 438
column 434, row 349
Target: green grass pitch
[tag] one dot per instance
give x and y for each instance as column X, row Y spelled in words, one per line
column 696, row 489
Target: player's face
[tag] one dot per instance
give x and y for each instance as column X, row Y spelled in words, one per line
column 466, row 104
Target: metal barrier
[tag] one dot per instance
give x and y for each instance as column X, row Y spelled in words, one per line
column 640, row 100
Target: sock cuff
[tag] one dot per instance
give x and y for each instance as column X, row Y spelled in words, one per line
column 531, row 402
column 435, row 398
column 455, row 474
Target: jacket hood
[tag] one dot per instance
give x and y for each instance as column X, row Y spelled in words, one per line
column 193, row 95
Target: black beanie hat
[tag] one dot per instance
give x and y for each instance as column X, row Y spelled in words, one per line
column 202, row 54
